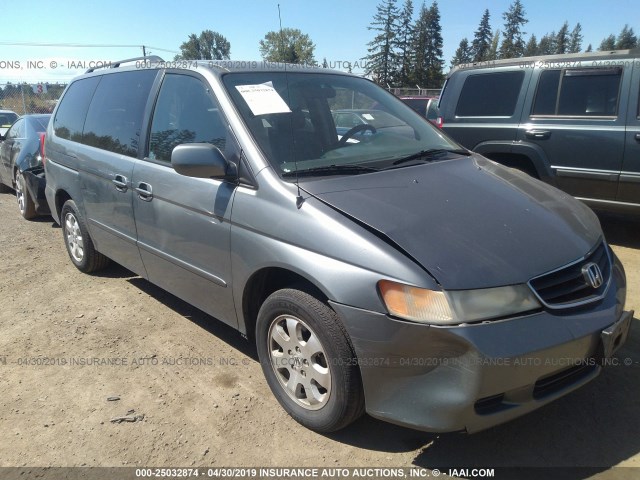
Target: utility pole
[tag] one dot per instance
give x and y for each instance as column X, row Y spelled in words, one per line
column 144, row 51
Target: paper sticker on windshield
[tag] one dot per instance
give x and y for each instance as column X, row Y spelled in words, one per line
column 263, row 99
column 367, row 116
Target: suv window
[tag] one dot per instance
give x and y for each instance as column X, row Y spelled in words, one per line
column 115, row 115
column 490, row 94
column 72, row 110
column 185, row 112
column 590, row 92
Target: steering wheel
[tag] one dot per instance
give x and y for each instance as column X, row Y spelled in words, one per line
column 352, row 131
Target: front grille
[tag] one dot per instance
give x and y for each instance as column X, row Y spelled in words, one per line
column 569, row 287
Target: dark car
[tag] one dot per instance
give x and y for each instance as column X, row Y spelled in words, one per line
column 357, row 122
column 572, row 121
column 21, row 168
column 425, row 106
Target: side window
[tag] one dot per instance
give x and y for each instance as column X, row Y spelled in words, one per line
column 490, row 94
column 185, row 112
column 115, row 115
column 72, row 110
column 590, row 92
column 17, row 130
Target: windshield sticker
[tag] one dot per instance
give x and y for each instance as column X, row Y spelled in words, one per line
column 367, row 116
column 263, row 99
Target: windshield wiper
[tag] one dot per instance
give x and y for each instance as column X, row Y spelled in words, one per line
column 430, row 154
column 331, row 170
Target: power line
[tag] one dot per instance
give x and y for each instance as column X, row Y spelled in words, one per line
column 81, row 45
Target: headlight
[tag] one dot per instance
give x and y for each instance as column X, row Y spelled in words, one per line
column 456, row 306
column 418, row 304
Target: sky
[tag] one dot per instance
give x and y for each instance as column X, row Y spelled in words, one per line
column 339, row 28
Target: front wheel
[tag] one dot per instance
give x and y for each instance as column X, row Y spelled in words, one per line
column 78, row 242
column 308, row 361
column 25, row 203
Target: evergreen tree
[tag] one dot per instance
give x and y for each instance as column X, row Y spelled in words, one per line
column 562, row 38
column 608, row 43
column 547, row 44
column 575, row 39
column 482, row 39
column 404, row 42
column 382, row 59
column 495, row 42
column 428, row 48
column 626, row 39
column 464, row 53
column 512, row 36
column 532, row 47
column 589, row 49
column 325, row 64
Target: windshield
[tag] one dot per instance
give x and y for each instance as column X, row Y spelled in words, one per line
column 310, row 121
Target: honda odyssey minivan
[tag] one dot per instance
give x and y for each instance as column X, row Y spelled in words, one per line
column 392, row 272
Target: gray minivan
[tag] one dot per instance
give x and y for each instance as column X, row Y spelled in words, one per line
column 394, row 272
column 570, row 120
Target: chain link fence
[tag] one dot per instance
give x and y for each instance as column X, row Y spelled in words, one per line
column 415, row 92
column 25, row 98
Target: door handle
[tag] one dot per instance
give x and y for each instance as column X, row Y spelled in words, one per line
column 144, row 191
column 537, row 134
column 120, row 181
column 637, row 137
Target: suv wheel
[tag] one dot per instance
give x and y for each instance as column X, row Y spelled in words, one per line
column 308, row 361
column 78, row 242
column 25, row 203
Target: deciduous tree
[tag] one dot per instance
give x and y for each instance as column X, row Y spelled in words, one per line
column 288, row 45
column 209, row 45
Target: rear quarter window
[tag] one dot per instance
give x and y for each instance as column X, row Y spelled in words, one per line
column 72, row 110
column 490, row 94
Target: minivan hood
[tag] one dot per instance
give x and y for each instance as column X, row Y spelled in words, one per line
column 470, row 222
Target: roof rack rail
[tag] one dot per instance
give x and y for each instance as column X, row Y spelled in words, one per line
column 150, row 58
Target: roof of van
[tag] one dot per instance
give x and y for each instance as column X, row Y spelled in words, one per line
column 563, row 60
column 217, row 66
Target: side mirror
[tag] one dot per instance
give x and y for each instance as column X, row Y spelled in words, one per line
column 2, row 137
column 200, row 160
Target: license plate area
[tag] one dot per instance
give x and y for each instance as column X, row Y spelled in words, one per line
column 614, row 336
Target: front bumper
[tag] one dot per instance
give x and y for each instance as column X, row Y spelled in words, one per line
column 468, row 378
column 36, row 184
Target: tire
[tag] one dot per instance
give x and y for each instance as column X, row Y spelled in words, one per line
column 78, row 242
column 25, row 203
column 313, row 374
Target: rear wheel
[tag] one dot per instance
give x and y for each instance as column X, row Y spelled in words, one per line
column 78, row 242
column 308, row 361
column 25, row 203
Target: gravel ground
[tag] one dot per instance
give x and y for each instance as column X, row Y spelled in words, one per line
column 197, row 395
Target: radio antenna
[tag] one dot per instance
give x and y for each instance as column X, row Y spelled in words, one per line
column 299, row 199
